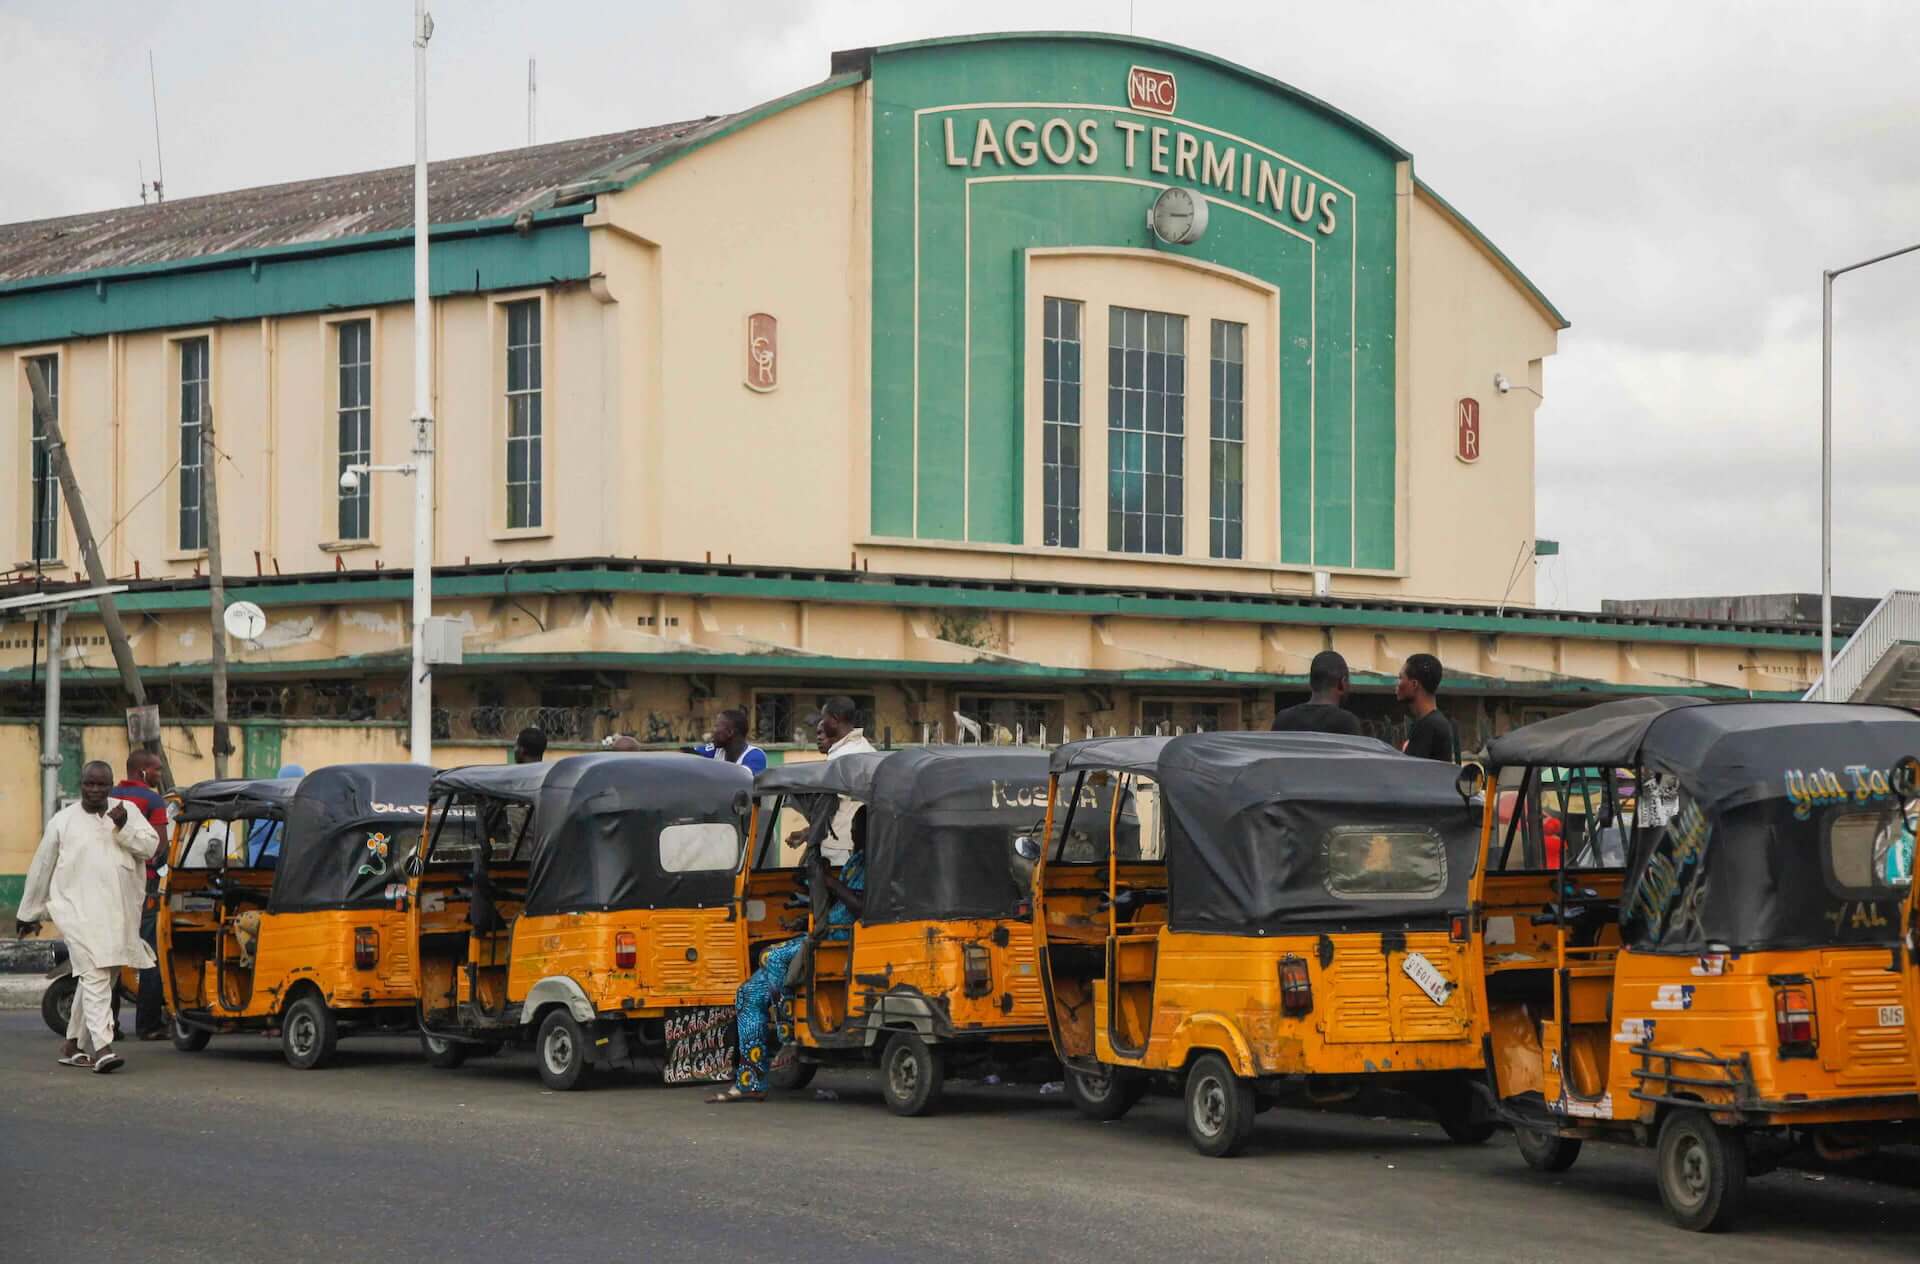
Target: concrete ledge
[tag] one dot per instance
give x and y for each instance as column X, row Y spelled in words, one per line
column 26, row 956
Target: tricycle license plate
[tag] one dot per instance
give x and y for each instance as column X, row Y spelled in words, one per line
column 1893, row 1016
column 1426, row 977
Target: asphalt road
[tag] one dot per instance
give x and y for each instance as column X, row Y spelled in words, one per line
column 229, row 1154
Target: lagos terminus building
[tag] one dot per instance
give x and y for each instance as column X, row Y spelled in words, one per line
column 1053, row 381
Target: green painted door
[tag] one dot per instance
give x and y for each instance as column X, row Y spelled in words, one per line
column 73, row 757
column 262, row 753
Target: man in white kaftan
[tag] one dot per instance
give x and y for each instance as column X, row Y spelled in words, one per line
column 89, row 876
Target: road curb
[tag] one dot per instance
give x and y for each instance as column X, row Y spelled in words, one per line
column 21, row 991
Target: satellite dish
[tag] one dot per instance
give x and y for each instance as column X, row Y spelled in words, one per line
column 245, row 621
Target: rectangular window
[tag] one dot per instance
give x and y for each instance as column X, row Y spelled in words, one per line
column 1227, row 393
column 523, row 415
column 354, row 419
column 1060, row 387
column 1366, row 862
column 193, row 417
column 1024, row 719
column 1146, row 431
column 46, row 486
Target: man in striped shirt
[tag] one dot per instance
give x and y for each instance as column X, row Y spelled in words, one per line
column 730, row 742
column 139, row 789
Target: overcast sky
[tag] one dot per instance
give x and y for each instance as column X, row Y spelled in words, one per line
column 1674, row 176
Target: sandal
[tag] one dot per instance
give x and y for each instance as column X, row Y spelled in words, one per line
column 83, row 1060
column 733, row 1095
column 111, row 1062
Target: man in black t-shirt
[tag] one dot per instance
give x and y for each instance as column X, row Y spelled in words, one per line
column 1322, row 713
column 1431, row 736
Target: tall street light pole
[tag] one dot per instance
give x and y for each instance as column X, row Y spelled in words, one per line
column 422, row 679
column 1826, row 459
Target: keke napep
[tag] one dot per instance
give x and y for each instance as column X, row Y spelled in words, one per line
column 936, row 972
column 283, row 907
column 1743, row 986
column 1261, row 906
column 587, row 904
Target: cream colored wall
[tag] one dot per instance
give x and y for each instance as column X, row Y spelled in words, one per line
column 1469, row 523
column 273, row 399
column 768, row 220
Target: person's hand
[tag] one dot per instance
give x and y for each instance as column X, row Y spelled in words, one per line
column 118, row 814
column 25, row 930
column 796, row 838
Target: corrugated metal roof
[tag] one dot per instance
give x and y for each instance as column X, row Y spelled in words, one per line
column 484, row 186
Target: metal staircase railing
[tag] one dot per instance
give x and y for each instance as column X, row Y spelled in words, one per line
column 1894, row 621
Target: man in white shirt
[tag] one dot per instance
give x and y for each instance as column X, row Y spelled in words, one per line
column 89, row 876
column 837, row 726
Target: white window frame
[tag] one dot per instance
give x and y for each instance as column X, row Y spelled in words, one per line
column 1181, row 286
column 331, row 463
column 26, row 442
column 176, row 551
column 502, row 430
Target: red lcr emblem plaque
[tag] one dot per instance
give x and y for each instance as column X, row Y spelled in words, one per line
column 763, row 352
column 1467, row 433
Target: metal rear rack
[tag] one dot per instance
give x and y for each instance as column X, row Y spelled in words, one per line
column 1729, row 1075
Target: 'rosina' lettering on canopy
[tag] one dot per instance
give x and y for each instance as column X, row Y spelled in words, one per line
column 1022, row 143
column 1006, row 795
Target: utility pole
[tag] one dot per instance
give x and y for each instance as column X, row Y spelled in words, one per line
column 90, row 554
column 216, row 587
column 421, row 686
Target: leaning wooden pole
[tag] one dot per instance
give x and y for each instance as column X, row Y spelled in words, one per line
column 90, row 553
column 216, row 587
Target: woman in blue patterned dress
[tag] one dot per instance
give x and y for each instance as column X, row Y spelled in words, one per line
column 755, row 1001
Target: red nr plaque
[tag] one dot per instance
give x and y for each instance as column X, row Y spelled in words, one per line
column 1467, row 438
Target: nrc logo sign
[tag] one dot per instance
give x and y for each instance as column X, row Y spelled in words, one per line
column 1150, row 89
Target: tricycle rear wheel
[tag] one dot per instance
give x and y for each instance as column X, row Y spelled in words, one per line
column 188, row 1039
column 1220, row 1107
column 308, row 1032
column 912, row 1075
column 562, row 1047
column 443, row 1053
column 1703, row 1171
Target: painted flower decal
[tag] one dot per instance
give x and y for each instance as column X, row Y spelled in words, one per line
column 376, row 866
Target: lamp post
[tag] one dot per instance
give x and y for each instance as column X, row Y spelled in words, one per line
column 421, row 683
column 1826, row 459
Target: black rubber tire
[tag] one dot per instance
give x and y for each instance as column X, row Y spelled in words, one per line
column 1220, row 1107
column 913, row 1075
column 793, row 1077
column 1702, row 1172
column 1457, row 1107
column 1105, row 1096
column 309, row 1033
column 563, row 1052
column 56, row 1004
column 188, row 1039
column 1546, row 1151
column 444, row 1054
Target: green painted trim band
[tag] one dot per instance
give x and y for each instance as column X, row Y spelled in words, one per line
column 1152, row 45
column 296, row 281
column 12, row 887
column 296, row 250
column 827, row 665
column 936, row 595
column 1486, row 243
